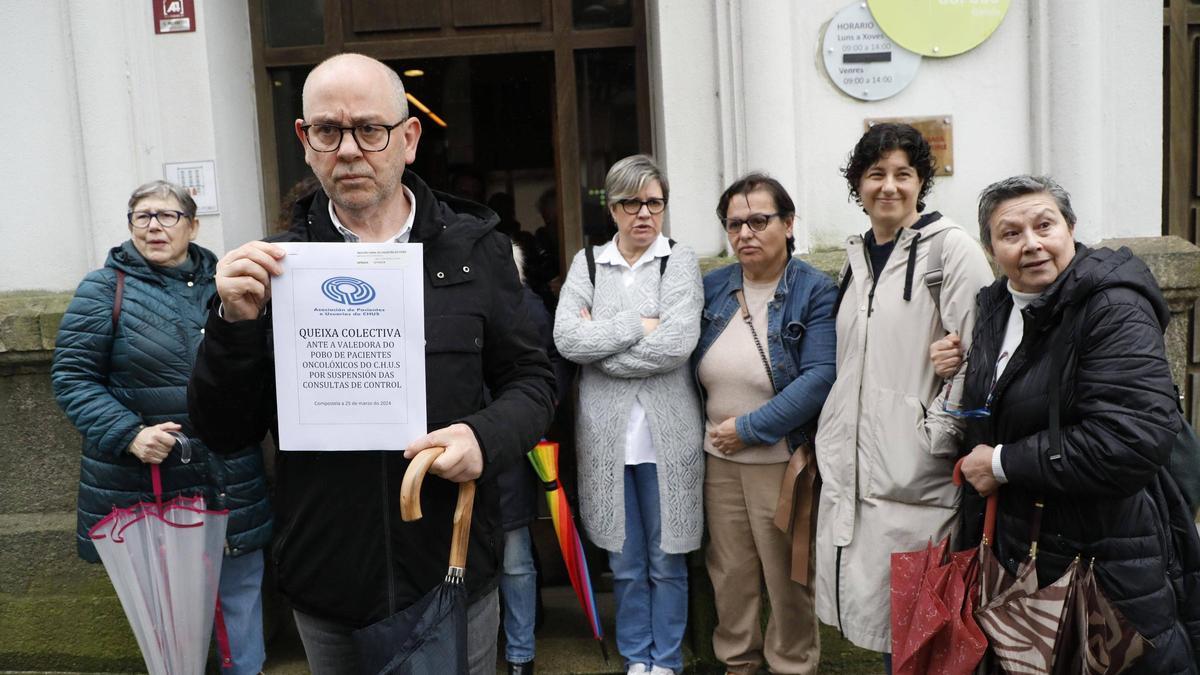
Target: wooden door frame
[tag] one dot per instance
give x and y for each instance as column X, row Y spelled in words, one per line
column 556, row 35
column 1181, row 158
column 1179, row 101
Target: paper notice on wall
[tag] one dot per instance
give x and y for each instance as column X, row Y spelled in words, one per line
column 199, row 179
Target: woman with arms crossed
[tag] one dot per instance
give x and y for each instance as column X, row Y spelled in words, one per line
column 631, row 322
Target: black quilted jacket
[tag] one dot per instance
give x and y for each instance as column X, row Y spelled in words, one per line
column 1105, row 492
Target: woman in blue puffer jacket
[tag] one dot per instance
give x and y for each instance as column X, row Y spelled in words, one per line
column 120, row 373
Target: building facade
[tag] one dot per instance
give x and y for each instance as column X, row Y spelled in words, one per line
column 544, row 93
column 532, row 95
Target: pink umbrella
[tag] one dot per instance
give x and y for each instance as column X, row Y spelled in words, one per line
column 164, row 560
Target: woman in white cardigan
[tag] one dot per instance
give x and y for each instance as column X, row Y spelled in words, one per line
column 631, row 322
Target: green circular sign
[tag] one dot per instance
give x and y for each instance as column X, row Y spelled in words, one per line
column 938, row 27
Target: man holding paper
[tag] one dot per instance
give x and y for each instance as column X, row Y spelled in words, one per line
column 343, row 557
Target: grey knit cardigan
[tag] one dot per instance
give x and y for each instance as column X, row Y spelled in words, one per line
column 619, row 365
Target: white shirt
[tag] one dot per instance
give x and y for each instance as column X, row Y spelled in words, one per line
column 1013, row 332
column 639, row 446
column 401, row 238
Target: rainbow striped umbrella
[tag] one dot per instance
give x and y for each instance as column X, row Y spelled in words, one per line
column 545, row 462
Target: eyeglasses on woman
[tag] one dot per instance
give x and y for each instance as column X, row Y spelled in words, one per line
column 633, row 206
column 141, row 219
column 757, row 222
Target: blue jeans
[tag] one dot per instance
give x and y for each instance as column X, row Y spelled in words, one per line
column 241, row 604
column 518, row 587
column 650, row 586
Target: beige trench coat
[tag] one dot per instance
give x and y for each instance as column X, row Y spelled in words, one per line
column 885, row 446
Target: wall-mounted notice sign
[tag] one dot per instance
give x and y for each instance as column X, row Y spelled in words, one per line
column 199, row 179
column 861, row 60
column 174, row 16
column 939, row 27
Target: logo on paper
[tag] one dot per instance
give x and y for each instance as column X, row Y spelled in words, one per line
column 348, row 290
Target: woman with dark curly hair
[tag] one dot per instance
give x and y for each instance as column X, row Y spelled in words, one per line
column 885, row 443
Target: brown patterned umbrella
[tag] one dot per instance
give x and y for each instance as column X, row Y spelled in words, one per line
column 1027, row 625
column 1109, row 644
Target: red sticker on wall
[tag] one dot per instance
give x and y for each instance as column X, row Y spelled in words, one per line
column 174, row 16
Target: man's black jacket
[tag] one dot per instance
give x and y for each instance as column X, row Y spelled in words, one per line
column 341, row 551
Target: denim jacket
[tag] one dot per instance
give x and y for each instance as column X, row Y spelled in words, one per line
column 801, row 340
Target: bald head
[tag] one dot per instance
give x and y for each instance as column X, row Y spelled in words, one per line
column 355, row 67
column 354, row 92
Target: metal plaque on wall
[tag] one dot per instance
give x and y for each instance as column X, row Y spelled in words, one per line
column 861, row 60
column 938, row 132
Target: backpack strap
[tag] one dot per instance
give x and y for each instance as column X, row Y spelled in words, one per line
column 935, row 271
column 843, row 285
column 662, row 262
column 117, row 297
column 591, row 263
column 911, row 266
column 1058, row 365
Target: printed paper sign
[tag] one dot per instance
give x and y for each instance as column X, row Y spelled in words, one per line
column 349, row 330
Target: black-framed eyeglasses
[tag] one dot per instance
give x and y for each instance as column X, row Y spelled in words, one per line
column 757, row 222
column 632, row 206
column 370, row 137
column 141, row 219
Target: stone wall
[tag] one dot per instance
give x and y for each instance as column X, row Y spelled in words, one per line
column 56, row 611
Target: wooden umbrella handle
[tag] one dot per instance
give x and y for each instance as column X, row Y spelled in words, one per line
column 410, row 488
column 462, row 524
column 410, row 503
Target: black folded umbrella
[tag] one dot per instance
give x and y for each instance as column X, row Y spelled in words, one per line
column 430, row 636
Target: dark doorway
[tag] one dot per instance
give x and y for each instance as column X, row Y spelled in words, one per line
column 578, row 65
column 485, row 118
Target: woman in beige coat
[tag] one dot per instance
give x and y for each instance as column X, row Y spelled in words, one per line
column 885, row 445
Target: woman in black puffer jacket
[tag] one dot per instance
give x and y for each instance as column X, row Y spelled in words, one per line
column 121, row 377
column 1098, row 316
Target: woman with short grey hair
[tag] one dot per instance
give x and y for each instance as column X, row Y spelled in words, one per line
column 629, row 314
column 123, row 356
column 1073, row 423
column 1016, row 186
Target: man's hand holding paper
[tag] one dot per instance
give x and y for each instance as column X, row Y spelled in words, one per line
column 349, row 338
column 244, row 279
